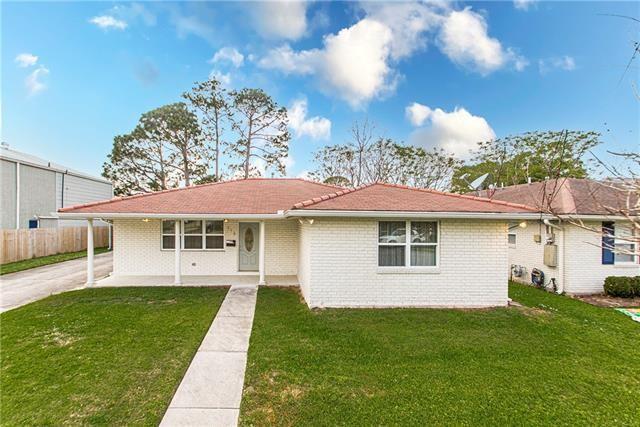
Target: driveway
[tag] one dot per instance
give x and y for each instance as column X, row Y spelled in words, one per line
column 23, row 287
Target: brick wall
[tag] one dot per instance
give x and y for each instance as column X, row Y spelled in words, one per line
column 137, row 251
column 530, row 254
column 343, row 268
column 585, row 272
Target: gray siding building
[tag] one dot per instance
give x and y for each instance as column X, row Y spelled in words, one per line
column 33, row 190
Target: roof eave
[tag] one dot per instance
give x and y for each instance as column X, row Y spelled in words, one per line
column 142, row 215
column 413, row 214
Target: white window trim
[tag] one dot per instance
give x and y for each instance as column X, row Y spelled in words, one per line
column 407, row 267
column 203, row 234
column 623, row 241
column 512, row 245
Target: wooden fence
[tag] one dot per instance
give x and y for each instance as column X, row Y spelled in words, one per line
column 16, row 245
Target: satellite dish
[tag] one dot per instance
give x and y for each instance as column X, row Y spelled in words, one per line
column 477, row 183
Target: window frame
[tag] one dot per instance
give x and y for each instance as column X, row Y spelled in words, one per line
column 203, row 234
column 623, row 240
column 407, row 244
column 515, row 239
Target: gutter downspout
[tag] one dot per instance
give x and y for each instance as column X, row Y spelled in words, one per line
column 17, row 195
column 561, row 255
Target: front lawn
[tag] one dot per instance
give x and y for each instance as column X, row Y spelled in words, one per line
column 100, row 356
column 556, row 361
column 26, row 264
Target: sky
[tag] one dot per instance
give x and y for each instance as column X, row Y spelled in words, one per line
column 436, row 74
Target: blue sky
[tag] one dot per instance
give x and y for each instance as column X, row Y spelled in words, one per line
column 75, row 74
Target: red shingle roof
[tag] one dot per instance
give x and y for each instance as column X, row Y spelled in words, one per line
column 393, row 197
column 570, row 196
column 246, row 196
column 270, row 195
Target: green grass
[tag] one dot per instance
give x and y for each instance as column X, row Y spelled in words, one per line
column 111, row 356
column 13, row 267
column 556, row 361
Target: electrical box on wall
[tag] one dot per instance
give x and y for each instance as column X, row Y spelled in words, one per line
column 551, row 255
column 537, row 238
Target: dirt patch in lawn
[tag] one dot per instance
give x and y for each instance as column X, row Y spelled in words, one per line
column 602, row 300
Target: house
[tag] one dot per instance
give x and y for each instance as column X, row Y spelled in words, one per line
column 586, row 240
column 33, row 190
column 377, row 245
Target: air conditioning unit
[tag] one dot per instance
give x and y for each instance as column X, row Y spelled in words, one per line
column 518, row 270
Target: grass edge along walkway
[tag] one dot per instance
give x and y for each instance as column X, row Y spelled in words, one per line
column 26, row 264
column 555, row 361
column 101, row 356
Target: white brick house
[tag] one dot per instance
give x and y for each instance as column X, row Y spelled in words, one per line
column 582, row 227
column 375, row 246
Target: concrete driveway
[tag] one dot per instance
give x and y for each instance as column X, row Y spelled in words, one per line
column 23, row 287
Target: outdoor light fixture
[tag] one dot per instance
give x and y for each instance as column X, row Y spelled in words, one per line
column 523, row 224
column 145, row 220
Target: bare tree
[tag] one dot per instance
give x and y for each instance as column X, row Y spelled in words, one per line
column 362, row 135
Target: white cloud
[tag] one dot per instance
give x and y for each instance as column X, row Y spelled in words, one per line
column 352, row 63
column 132, row 12
column 464, row 38
column 457, row 131
column 107, row 22
column 565, row 63
column 224, row 78
column 523, row 4
column 359, row 63
column 26, row 60
column 34, row 82
column 417, row 113
column 288, row 61
column 313, row 127
column 409, row 23
column 228, row 54
column 280, row 19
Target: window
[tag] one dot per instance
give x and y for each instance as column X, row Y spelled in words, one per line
column 407, row 243
column 168, row 234
column 512, row 239
column 625, row 247
column 196, row 234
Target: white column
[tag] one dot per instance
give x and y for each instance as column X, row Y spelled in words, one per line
column 178, row 266
column 90, row 280
column 261, row 254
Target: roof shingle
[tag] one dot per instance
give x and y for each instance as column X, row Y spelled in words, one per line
column 260, row 196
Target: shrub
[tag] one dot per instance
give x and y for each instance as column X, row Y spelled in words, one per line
column 624, row 287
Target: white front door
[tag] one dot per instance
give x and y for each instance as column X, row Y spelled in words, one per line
column 249, row 244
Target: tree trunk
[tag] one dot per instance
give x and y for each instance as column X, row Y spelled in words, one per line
column 185, row 162
column 217, row 173
column 248, row 152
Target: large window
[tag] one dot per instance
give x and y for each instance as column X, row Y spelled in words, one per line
column 407, row 243
column 195, row 234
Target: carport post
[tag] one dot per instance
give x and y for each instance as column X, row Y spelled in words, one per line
column 178, row 266
column 90, row 280
column 261, row 254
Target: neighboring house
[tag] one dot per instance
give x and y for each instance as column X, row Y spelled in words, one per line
column 577, row 241
column 377, row 245
column 33, row 190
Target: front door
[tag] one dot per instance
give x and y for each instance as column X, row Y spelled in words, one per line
column 249, row 243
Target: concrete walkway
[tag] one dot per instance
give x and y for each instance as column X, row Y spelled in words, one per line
column 211, row 390
column 26, row 286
